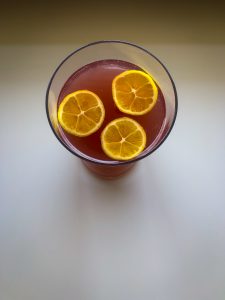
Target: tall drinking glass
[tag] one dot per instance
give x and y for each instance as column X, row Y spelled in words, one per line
column 112, row 50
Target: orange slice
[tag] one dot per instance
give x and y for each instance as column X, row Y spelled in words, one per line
column 123, row 139
column 134, row 92
column 81, row 113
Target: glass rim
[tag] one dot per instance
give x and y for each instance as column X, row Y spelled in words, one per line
column 111, row 162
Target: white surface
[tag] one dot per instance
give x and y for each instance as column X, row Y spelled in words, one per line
column 158, row 233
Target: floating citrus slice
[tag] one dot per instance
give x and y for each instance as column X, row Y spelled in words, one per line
column 123, row 139
column 134, row 92
column 81, row 113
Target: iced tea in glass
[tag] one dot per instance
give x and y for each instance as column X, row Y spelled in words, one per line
column 93, row 67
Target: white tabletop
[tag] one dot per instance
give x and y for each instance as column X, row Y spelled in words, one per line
column 158, row 233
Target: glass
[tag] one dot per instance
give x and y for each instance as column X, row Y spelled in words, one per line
column 116, row 50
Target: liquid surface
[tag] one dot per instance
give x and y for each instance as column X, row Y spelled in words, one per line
column 97, row 77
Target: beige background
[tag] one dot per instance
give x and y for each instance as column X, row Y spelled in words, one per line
column 158, row 233
column 141, row 21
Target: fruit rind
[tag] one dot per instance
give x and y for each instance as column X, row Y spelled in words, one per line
column 115, row 92
column 119, row 157
column 61, row 112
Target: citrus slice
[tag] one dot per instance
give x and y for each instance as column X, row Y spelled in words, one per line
column 81, row 113
column 123, row 139
column 134, row 92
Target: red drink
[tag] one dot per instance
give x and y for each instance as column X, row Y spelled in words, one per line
column 93, row 67
column 97, row 77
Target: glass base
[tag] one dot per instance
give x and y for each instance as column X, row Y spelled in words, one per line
column 108, row 172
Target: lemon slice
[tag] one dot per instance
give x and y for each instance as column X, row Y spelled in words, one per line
column 134, row 92
column 123, row 139
column 81, row 113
